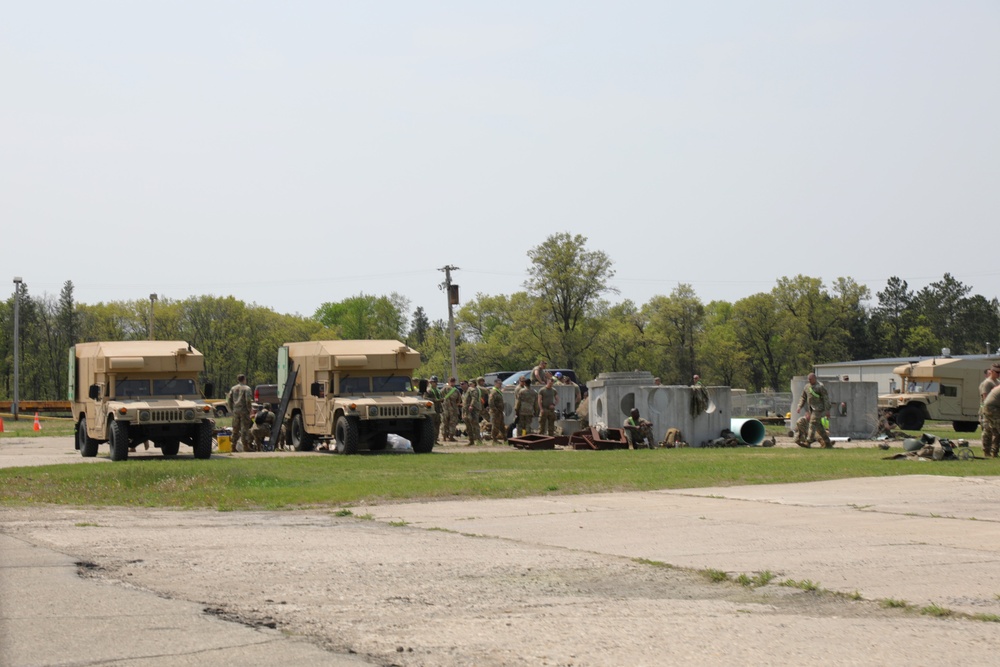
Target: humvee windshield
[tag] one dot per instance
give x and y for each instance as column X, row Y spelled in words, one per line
column 141, row 388
column 174, row 387
column 391, row 383
column 922, row 387
column 129, row 388
column 355, row 385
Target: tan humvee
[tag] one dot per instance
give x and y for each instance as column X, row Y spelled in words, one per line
column 942, row 389
column 128, row 392
column 355, row 392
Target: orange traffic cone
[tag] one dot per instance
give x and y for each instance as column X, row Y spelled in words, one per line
column 37, row 426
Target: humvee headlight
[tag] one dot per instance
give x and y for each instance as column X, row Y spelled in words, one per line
column 414, row 410
column 189, row 414
column 144, row 415
column 373, row 411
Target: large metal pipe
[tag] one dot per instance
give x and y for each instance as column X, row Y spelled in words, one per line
column 749, row 431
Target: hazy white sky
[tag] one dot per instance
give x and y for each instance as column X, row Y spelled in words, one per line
column 295, row 152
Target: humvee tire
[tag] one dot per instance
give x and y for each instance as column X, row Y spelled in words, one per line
column 423, row 437
column 965, row 427
column 346, row 435
column 86, row 444
column 118, row 439
column 302, row 441
column 170, row 447
column 910, row 418
column 203, row 441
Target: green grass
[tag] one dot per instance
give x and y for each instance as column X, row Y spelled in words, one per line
column 24, row 427
column 336, row 481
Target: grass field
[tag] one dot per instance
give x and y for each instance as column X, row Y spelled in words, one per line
column 338, row 481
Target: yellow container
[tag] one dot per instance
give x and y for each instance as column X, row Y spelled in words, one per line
column 225, row 444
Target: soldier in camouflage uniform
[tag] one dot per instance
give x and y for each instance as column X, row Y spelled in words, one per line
column 472, row 406
column 802, row 431
column 817, row 399
column 434, row 394
column 498, row 430
column 639, row 431
column 525, row 405
column 547, row 400
column 261, row 429
column 985, row 387
column 991, row 423
column 239, row 400
column 451, row 401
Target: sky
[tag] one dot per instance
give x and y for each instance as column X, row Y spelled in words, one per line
column 299, row 152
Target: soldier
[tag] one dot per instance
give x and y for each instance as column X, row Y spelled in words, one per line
column 498, row 429
column 548, row 397
column 451, row 400
column 261, row 429
column 638, row 430
column 577, row 396
column 985, row 387
column 802, row 432
column 472, row 405
column 434, row 394
column 525, row 405
column 991, row 421
column 539, row 374
column 817, row 399
column 239, row 400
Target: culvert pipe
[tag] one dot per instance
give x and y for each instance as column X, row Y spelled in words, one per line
column 749, row 431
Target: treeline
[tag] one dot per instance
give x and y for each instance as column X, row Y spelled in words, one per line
column 564, row 314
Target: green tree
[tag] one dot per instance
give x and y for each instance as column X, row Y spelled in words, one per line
column 418, row 329
column 723, row 361
column 569, row 280
column 766, row 331
column 675, row 324
column 892, row 317
column 366, row 317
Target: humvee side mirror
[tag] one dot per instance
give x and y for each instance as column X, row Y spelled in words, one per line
column 209, row 390
column 95, row 392
column 316, row 389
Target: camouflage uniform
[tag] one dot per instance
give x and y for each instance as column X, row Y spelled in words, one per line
column 525, row 406
column 472, row 406
column 547, row 399
column 989, row 435
column 239, row 400
column 451, row 401
column 434, row 394
column 262, row 430
column 498, row 430
column 991, row 423
column 802, row 431
column 639, row 432
column 817, row 399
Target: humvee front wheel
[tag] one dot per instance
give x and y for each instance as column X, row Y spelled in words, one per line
column 302, row 441
column 910, row 418
column 347, row 435
column 118, row 439
column 423, row 437
column 203, row 441
column 86, row 444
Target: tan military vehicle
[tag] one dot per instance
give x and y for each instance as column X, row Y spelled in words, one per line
column 356, row 392
column 126, row 393
column 942, row 389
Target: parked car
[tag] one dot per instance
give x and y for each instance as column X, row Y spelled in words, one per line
column 495, row 375
column 513, row 379
column 266, row 393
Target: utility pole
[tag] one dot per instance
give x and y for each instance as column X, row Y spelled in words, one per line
column 17, row 345
column 152, row 302
column 452, row 292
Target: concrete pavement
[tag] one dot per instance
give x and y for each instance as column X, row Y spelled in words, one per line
column 923, row 539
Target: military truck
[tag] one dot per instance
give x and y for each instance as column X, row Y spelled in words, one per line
column 942, row 389
column 355, row 392
column 126, row 393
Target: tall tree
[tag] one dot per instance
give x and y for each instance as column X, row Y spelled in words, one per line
column 366, row 317
column 418, row 329
column 892, row 317
column 569, row 280
column 675, row 323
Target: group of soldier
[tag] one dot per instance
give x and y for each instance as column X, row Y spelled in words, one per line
column 472, row 402
column 252, row 422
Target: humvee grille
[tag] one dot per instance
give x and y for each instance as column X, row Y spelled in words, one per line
column 393, row 411
column 166, row 415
